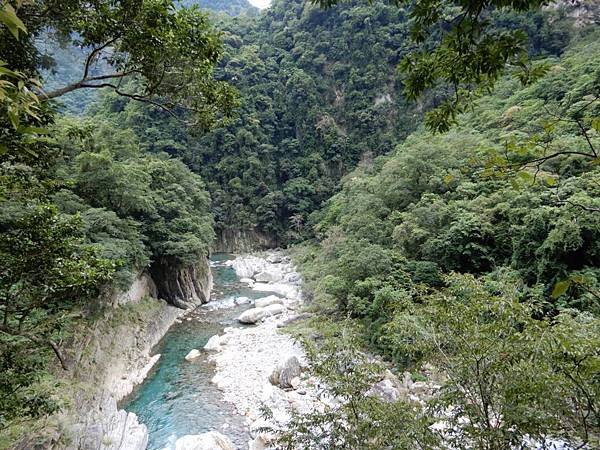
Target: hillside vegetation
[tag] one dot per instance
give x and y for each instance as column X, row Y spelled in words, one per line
column 319, row 90
column 477, row 251
column 435, row 164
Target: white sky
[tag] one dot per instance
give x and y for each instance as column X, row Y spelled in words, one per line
column 260, row 3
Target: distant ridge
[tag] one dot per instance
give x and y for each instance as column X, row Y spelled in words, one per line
column 231, row 7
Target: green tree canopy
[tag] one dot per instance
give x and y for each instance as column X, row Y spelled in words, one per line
column 146, row 50
column 459, row 51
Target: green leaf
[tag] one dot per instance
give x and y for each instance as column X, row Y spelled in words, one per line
column 33, row 130
column 9, row 18
column 525, row 176
column 560, row 288
column 14, row 118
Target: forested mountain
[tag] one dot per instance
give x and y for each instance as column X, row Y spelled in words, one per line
column 477, row 251
column 231, row 7
column 320, row 91
column 446, row 214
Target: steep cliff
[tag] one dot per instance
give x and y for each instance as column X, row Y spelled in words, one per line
column 243, row 241
column 113, row 354
column 182, row 286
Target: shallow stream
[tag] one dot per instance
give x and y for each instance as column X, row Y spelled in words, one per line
column 178, row 398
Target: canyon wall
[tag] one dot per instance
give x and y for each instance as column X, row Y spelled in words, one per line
column 112, row 354
column 242, row 241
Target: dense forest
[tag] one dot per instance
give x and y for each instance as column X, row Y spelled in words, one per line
column 319, row 91
column 476, row 251
column 444, row 215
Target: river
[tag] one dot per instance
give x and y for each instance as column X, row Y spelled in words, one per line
column 177, row 398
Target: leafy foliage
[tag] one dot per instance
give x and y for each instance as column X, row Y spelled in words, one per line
column 353, row 417
column 462, row 51
column 468, row 252
column 145, row 50
column 320, row 93
column 82, row 207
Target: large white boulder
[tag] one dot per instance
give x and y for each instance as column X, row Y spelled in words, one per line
column 247, row 266
column 242, row 300
column 213, row 440
column 213, row 344
column 252, row 315
column 268, row 276
column 283, row 289
column 266, row 301
column 274, row 309
column 193, row 354
column 285, row 372
column 274, row 258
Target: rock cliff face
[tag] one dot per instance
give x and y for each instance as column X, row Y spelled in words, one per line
column 242, row 241
column 115, row 355
column 184, row 287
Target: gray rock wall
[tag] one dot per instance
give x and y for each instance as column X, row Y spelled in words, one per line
column 114, row 355
column 242, row 241
column 184, row 287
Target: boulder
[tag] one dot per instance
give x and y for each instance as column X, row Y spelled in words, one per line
column 407, row 380
column 270, row 276
column 274, row 258
column 242, row 300
column 295, row 318
column 285, row 372
column 213, row 344
column 258, row 443
column 266, row 301
column 285, row 290
column 274, row 309
column 385, row 390
column 252, row 315
column 193, row 354
column 295, row 382
column 213, row 440
column 249, row 281
column 247, row 266
column 292, row 277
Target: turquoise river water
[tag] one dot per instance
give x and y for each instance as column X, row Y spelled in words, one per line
column 177, row 398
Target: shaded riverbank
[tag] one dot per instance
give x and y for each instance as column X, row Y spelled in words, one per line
column 177, row 398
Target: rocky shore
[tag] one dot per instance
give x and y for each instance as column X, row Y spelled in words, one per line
column 116, row 357
column 257, row 364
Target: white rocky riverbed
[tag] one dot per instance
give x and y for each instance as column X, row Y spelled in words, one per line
column 258, row 364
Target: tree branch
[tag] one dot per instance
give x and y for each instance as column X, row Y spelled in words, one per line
column 55, row 348
column 82, row 84
column 92, row 56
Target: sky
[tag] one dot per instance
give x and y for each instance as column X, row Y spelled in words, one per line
column 260, row 3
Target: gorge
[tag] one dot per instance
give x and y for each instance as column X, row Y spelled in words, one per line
column 320, row 225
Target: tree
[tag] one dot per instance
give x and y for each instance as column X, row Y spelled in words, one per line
column 357, row 418
column 510, row 375
column 46, row 277
column 457, row 51
column 145, row 50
